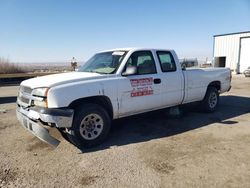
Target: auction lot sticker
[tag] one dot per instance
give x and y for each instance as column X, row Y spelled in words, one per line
column 141, row 87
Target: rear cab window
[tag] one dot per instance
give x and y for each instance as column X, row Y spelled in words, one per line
column 166, row 61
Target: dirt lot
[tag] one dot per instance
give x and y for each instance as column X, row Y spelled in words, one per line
column 150, row 150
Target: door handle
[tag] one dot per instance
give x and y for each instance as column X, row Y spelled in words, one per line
column 157, row 81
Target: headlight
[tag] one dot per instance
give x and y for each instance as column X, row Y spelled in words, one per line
column 40, row 92
column 40, row 95
column 43, row 103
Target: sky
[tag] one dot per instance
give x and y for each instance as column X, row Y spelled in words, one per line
column 55, row 31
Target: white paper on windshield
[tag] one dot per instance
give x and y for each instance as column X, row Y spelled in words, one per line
column 118, row 53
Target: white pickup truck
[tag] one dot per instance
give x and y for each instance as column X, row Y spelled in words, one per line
column 114, row 84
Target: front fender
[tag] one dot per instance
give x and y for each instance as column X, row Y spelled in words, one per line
column 62, row 96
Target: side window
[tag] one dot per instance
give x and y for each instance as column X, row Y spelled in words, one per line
column 144, row 62
column 167, row 61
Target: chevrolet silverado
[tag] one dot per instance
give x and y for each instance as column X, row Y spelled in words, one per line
column 111, row 85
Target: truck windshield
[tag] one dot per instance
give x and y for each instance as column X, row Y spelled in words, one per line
column 104, row 63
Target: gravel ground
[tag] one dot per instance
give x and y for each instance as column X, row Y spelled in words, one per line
column 149, row 150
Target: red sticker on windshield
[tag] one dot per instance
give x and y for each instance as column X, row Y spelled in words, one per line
column 141, row 87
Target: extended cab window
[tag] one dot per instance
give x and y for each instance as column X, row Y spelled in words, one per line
column 167, row 61
column 144, row 62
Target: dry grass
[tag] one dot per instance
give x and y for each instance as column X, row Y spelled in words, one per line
column 8, row 68
column 25, row 75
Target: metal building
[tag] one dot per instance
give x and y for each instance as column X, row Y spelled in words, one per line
column 232, row 50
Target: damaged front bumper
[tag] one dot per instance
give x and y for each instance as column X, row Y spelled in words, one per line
column 34, row 119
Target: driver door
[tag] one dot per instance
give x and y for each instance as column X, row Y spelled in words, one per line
column 140, row 92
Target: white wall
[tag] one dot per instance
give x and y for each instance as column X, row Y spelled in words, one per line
column 228, row 45
column 244, row 54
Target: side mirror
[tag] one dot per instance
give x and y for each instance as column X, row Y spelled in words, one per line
column 183, row 66
column 131, row 70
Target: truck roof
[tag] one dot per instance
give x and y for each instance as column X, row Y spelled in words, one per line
column 134, row 49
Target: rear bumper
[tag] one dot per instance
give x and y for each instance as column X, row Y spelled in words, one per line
column 32, row 119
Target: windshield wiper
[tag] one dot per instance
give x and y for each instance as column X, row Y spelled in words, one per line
column 98, row 72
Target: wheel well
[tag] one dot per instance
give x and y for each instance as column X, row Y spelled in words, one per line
column 100, row 100
column 215, row 84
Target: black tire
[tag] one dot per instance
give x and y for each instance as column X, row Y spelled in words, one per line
column 79, row 134
column 211, row 100
column 64, row 134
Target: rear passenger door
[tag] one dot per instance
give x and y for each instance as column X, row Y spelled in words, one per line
column 172, row 79
column 142, row 91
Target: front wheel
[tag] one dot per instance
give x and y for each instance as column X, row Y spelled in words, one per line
column 211, row 100
column 90, row 126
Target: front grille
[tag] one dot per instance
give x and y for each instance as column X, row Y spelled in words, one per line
column 23, row 95
column 25, row 89
column 24, row 100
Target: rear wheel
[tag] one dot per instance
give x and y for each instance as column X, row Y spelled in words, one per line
column 211, row 100
column 90, row 126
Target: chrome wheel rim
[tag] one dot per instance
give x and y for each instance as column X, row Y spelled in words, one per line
column 91, row 126
column 213, row 100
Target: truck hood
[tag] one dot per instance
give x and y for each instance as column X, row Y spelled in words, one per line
column 58, row 79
